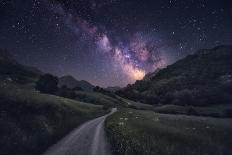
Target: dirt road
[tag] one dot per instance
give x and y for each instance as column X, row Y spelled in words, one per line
column 88, row 139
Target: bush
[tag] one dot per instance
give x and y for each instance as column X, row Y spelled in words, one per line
column 47, row 83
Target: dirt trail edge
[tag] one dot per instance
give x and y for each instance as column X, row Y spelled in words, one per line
column 88, row 139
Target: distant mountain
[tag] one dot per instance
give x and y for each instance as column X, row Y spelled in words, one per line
column 202, row 78
column 71, row 82
column 112, row 89
column 11, row 69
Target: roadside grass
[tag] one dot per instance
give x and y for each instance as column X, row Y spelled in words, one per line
column 212, row 111
column 221, row 111
column 30, row 122
column 138, row 132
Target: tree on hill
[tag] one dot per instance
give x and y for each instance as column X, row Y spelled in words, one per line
column 47, row 83
column 98, row 89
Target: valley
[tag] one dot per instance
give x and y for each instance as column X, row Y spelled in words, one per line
column 177, row 119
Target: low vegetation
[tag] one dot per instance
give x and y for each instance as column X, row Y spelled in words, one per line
column 223, row 111
column 126, row 103
column 149, row 133
column 97, row 98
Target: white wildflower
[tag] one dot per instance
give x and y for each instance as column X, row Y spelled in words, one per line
column 121, row 123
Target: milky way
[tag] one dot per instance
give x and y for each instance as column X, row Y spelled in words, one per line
column 136, row 56
column 111, row 42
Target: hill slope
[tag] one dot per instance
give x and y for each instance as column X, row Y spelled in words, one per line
column 30, row 121
column 12, row 70
column 199, row 79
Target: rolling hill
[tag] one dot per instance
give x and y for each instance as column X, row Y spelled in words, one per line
column 12, row 70
column 204, row 78
column 29, row 120
column 71, row 82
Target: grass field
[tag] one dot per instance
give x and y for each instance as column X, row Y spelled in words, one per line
column 213, row 111
column 222, row 111
column 97, row 98
column 135, row 105
column 138, row 132
column 30, row 122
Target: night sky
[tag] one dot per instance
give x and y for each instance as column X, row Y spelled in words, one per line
column 111, row 42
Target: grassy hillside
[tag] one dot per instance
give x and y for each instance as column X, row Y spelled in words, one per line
column 12, row 70
column 135, row 105
column 149, row 133
column 98, row 98
column 204, row 78
column 30, row 122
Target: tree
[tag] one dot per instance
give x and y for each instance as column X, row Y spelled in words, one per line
column 96, row 89
column 99, row 89
column 47, row 83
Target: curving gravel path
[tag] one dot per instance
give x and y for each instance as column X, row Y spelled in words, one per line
column 88, row 139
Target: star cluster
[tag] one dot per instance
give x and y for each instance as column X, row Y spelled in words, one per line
column 111, row 42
